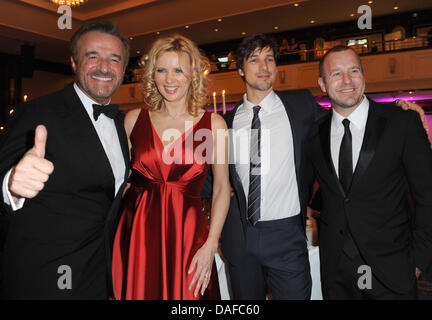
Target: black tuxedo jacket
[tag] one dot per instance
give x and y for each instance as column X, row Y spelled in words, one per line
column 71, row 221
column 395, row 152
column 302, row 111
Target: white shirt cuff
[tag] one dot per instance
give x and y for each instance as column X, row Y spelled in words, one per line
column 7, row 197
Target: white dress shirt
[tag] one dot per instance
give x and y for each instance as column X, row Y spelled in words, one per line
column 358, row 119
column 279, row 190
column 107, row 133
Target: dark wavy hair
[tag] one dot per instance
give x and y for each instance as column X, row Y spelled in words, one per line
column 104, row 27
column 250, row 44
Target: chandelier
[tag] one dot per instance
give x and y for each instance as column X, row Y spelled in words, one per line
column 70, row 3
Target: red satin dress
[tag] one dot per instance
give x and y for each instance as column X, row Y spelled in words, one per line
column 162, row 225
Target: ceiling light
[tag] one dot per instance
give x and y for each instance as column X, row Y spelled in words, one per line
column 216, row 30
column 243, row 33
column 296, row 4
column 275, row 27
column 70, row 3
column 395, row 7
column 352, row 15
column 158, row 33
column 312, row 21
column 187, row 27
column 370, row 1
column 219, row 20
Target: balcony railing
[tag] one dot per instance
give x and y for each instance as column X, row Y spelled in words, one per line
column 301, row 56
column 316, row 54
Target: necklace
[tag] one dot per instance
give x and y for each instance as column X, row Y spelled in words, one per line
column 176, row 116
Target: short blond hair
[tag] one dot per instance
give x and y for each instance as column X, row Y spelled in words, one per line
column 198, row 90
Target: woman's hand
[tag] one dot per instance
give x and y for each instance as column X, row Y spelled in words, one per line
column 202, row 262
column 411, row 105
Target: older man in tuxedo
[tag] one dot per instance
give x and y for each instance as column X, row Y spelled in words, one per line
column 63, row 166
column 365, row 156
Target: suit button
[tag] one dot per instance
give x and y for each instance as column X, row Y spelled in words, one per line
column 341, row 232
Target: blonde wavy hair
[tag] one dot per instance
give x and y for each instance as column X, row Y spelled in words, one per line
column 198, row 90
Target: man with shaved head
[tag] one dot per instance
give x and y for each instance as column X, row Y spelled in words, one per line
column 365, row 155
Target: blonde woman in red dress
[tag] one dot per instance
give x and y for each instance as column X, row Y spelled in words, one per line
column 163, row 248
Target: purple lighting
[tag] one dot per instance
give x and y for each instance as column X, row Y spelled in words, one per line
column 422, row 97
column 387, row 97
column 402, row 97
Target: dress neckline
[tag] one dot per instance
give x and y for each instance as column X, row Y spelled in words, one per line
column 169, row 146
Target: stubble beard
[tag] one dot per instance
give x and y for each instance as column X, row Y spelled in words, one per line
column 93, row 91
column 342, row 105
column 261, row 87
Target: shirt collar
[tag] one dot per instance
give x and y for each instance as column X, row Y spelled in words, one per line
column 266, row 104
column 357, row 118
column 86, row 100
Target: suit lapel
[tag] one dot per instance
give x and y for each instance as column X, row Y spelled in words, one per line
column 324, row 137
column 324, row 134
column 121, row 132
column 289, row 108
column 85, row 140
column 235, row 179
column 374, row 128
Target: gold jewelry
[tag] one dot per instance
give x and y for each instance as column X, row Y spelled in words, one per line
column 176, row 116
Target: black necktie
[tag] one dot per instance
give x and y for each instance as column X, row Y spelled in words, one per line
column 254, row 196
column 110, row 110
column 345, row 158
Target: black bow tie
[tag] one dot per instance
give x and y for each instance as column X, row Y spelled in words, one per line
column 110, row 110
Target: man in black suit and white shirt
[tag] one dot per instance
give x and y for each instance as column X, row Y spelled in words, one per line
column 263, row 238
column 64, row 163
column 365, row 155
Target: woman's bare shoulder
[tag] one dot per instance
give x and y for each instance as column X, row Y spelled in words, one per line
column 130, row 119
column 218, row 122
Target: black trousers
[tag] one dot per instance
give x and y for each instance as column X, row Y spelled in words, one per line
column 349, row 283
column 276, row 255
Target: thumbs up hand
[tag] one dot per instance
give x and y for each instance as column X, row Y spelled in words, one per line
column 29, row 176
column 40, row 139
